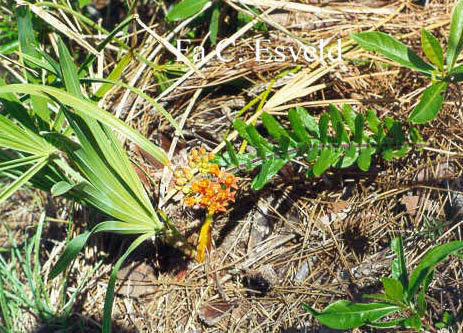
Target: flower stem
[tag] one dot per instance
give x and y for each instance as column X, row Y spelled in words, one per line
column 205, row 237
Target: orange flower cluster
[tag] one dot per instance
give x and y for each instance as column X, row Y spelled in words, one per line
column 213, row 189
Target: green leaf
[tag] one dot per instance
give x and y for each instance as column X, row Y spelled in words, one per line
column 109, row 298
column 387, row 324
column 4, row 308
column 76, row 245
column 258, row 141
column 185, row 9
column 323, row 127
column 298, row 126
column 343, row 315
column 248, row 161
column 24, row 178
column 401, row 152
column 146, row 97
column 413, row 322
column 114, row 75
column 415, row 136
column 457, row 74
column 84, row 66
column 389, row 122
column 308, row 121
column 350, row 157
column 393, row 288
column 456, row 36
column 427, row 264
column 336, row 121
column 387, row 154
column 16, row 137
column 16, row 163
column 392, row 49
column 359, row 127
column 214, row 25
column 39, row 62
column 61, row 188
column 327, row 158
column 399, row 268
column 313, row 152
column 383, row 298
column 349, row 116
column 421, row 305
column 9, row 47
column 273, row 126
column 243, row 19
column 284, row 147
column 432, row 49
column 13, row 106
column 429, row 105
column 86, row 108
column 373, row 121
column 71, row 252
column 82, row 3
column 364, row 159
column 268, row 170
column 232, row 154
column 29, row 46
column 240, row 127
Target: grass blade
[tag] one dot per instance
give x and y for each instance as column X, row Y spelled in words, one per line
column 24, row 178
column 456, row 36
column 150, row 100
column 108, row 303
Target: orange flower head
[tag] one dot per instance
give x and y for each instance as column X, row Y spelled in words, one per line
column 211, row 189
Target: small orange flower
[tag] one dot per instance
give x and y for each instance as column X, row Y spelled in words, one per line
column 188, row 174
column 214, row 169
column 204, row 183
column 181, row 181
column 229, row 180
column 216, row 207
column 205, row 201
column 195, row 187
column 190, row 201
